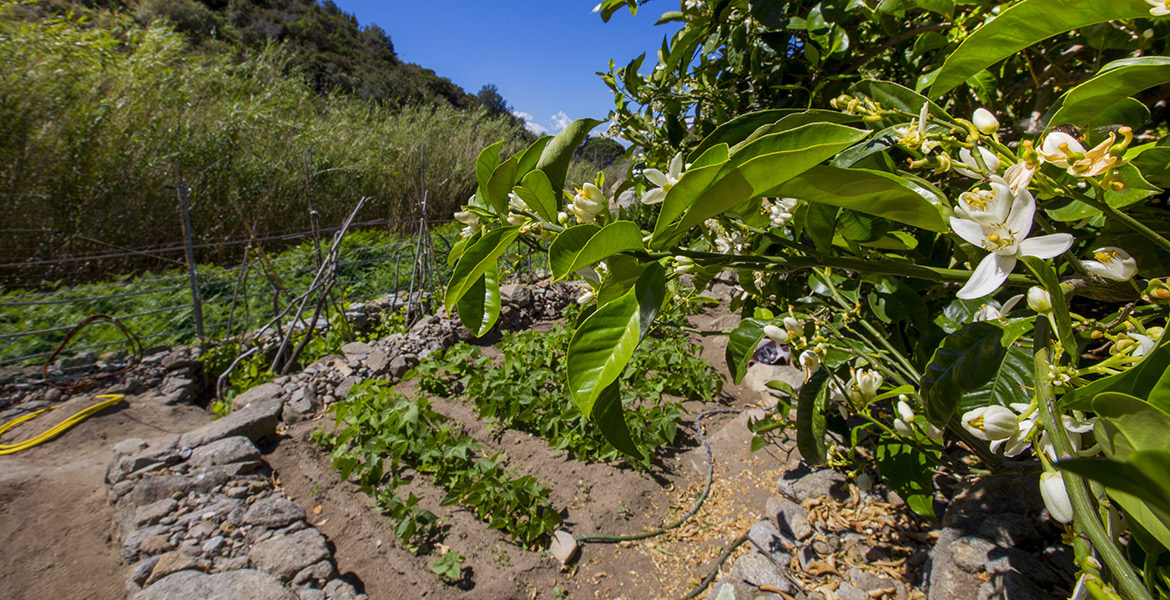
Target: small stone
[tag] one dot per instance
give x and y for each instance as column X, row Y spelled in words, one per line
column 790, row 516
column 232, row 564
column 285, row 555
column 236, row 449
column 256, row 422
column 129, row 446
column 211, row 547
column 152, row 513
column 377, row 361
column 339, row 589
column 848, row 591
column 564, row 547
column 316, row 574
column 758, row 571
column 259, row 394
column 764, row 534
column 228, row 585
column 140, row 571
column 156, row 544
column 970, row 552
column 132, row 545
column 171, row 562
column 722, row 591
column 825, row 482
column 273, row 512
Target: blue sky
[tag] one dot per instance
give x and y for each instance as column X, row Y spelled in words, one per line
column 541, row 54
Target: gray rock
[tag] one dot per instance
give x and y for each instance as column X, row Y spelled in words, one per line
column 764, row 534
column 947, row 578
column 129, row 446
column 178, row 359
column 1004, row 560
column 153, row 489
column 994, row 495
column 285, row 555
column 236, row 449
column 211, row 547
column 401, row 364
column 377, row 361
column 140, row 571
column 256, row 395
column 273, row 512
column 564, row 547
column 970, row 552
column 339, row 589
column 153, row 512
column 256, row 422
column 132, row 542
column 315, row 574
column 308, row 593
column 721, row 590
column 756, row 570
column 122, row 466
column 358, row 350
column 228, row 585
column 870, row 582
column 790, row 516
column 1009, row 530
column 300, row 405
column 80, row 362
column 799, row 486
column 848, row 591
column 343, row 388
column 516, row 294
column 175, row 383
column 171, row 562
column 805, row 556
column 1013, row 586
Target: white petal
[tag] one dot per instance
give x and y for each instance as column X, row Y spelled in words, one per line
column 1051, row 143
column 657, row 177
column 1019, row 220
column 676, row 165
column 654, row 196
column 970, row 231
column 992, row 271
column 1010, row 303
column 1046, row 246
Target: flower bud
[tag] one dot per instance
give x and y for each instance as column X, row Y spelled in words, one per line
column 1039, row 300
column 809, row 360
column 794, row 327
column 991, row 423
column 1056, row 497
column 467, row 218
column 776, row 334
column 934, row 432
column 984, row 121
column 903, row 428
column 904, row 410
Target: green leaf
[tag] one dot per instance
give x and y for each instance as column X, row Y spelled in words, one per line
column 1114, row 83
column 624, row 272
column 694, row 180
column 603, row 344
column 909, row 473
column 795, row 120
column 536, row 191
column 964, row 362
column 499, row 185
column 741, row 347
column 1139, row 381
column 810, row 418
column 527, row 159
column 893, row 96
column 1022, row 25
column 607, row 413
column 871, row 192
column 475, row 261
column 619, row 236
column 479, row 308
column 1012, row 382
column 765, row 164
column 458, row 247
column 738, row 129
column 1145, row 475
column 1126, row 424
column 489, row 159
column 1154, row 164
column 554, row 160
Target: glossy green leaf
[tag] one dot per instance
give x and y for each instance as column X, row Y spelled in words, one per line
column 908, row 472
column 479, row 308
column 1126, row 424
column 694, row 180
column 607, row 413
column 1139, row 380
column 1127, row 111
column 624, row 272
column 893, row 96
column 568, row 244
column 536, row 191
column 458, row 247
column 741, row 347
column 1154, row 164
column 554, row 159
column 486, row 163
column 475, row 261
column 619, row 236
column 765, row 164
column 500, row 185
column 796, row 119
column 527, row 159
column 1145, row 475
column 603, row 344
column 1022, row 25
column 811, row 404
column 1012, row 382
column 738, row 129
column 964, row 362
column 871, row 192
column 1114, row 83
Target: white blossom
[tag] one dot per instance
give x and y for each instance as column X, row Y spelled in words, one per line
column 991, row 423
column 1112, row 263
column 969, row 166
column 985, row 121
column 776, row 334
column 1160, row 8
column 664, row 181
column 588, row 203
column 1056, row 497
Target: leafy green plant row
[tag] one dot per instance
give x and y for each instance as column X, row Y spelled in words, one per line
column 382, row 433
column 525, row 390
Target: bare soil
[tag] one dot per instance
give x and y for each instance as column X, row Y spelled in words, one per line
column 55, row 522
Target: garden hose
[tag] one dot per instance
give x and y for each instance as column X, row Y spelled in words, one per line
column 110, row 400
column 614, row 539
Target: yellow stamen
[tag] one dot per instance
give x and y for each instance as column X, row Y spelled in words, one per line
column 1107, row 257
column 993, row 238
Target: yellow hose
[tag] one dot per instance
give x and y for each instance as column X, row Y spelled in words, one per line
column 110, row 400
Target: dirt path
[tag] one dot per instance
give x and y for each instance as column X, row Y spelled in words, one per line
column 54, row 519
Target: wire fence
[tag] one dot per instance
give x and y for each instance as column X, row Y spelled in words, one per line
column 162, row 308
